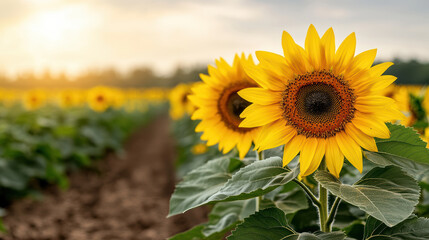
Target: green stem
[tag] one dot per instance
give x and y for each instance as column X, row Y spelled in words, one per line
column 323, row 199
column 309, row 193
column 259, row 156
column 332, row 213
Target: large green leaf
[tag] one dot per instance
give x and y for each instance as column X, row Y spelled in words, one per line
column 201, row 183
column 413, row 228
column 271, row 224
column 404, row 149
column 211, row 183
column 387, row 194
column 223, row 217
column 256, row 179
column 290, row 198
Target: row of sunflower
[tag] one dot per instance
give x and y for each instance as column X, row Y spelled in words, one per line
column 44, row 134
column 337, row 149
column 99, row 98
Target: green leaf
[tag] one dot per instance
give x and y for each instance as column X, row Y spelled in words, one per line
column 254, row 180
column 211, row 183
column 411, row 229
column 288, row 200
column 404, row 149
column 194, row 233
column 222, row 219
column 271, row 224
column 201, row 183
column 226, row 215
column 387, row 194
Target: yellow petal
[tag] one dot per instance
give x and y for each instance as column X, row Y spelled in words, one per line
column 379, row 69
column 257, row 115
column 292, row 148
column 243, row 146
column 370, row 125
column 334, row 157
column 274, row 134
column 262, row 78
column 383, row 82
column 328, row 45
column 313, row 47
column 295, row 56
column 350, row 149
column 372, row 104
column 361, row 62
column 311, row 155
column 344, row 54
column 260, row 96
column 276, row 64
column 361, row 138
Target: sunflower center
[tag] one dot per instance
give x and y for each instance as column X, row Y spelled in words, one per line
column 318, row 104
column 231, row 105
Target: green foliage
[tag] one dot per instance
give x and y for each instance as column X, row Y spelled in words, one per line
column 413, row 228
column 388, row 194
column 404, row 149
column 41, row 146
column 223, row 217
column 271, row 224
column 216, row 181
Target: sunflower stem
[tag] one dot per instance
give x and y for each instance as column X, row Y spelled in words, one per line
column 309, row 193
column 259, row 156
column 332, row 213
column 323, row 199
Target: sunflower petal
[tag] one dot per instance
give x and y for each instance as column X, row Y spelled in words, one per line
column 292, row 148
column 334, row 157
column 276, row 64
column 328, row 46
column 370, row 125
column 345, row 53
column 350, row 149
column 260, row 96
column 361, row 138
column 257, row 115
column 362, row 61
column 296, row 57
column 311, row 155
column 243, row 146
column 313, row 47
column 274, row 134
column 262, row 78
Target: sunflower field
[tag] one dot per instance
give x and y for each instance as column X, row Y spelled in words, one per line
column 315, row 143
column 46, row 134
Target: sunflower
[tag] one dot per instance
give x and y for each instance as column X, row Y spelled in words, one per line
column 219, row 106
column 179, row 103
column 34, row 99
column 100, row 98
column 319, row 102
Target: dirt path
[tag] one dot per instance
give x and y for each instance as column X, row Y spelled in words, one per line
column 127, row 200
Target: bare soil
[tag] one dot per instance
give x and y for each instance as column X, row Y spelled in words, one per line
column 126, row 199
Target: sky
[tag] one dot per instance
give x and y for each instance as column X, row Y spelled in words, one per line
column 76, row 35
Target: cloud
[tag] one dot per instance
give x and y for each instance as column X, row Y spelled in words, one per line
column 165, row 33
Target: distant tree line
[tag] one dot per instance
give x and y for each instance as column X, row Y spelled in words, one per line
column 408, row 72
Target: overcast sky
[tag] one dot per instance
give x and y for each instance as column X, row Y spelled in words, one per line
column 75, row 35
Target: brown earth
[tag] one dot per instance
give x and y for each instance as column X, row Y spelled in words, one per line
column 128, row 199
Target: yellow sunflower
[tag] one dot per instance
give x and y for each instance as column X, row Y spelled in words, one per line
column 34, row 99
column 100, row 98
column 219, row 106
column 319, row 102
column 179, row 104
